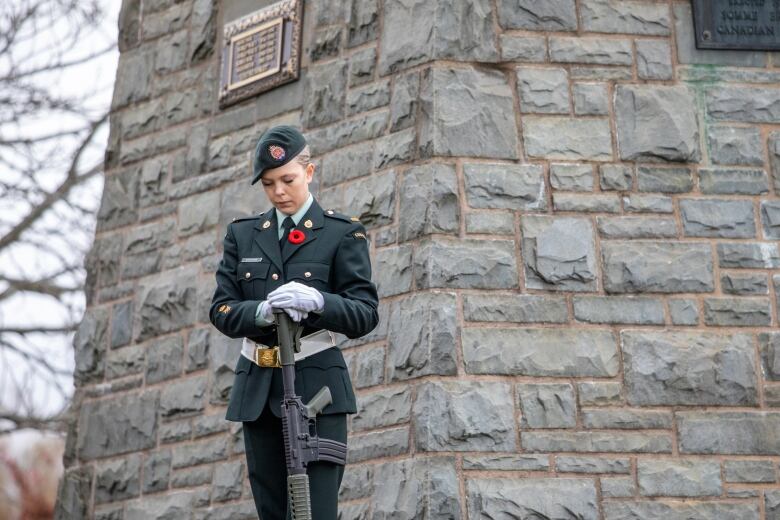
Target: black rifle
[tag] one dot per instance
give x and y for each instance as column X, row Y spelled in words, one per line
column 299, row 423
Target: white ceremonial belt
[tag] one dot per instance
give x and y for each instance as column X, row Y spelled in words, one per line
column 310, row 345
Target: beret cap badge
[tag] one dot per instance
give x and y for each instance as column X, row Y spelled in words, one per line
column 277, row 152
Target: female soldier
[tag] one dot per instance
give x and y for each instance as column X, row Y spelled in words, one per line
column 314, row 264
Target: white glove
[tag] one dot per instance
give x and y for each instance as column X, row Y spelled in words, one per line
column 296, row 315
column 294, row 295
column 266, row 311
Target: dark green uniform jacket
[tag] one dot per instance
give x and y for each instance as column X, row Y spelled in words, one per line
column 333, row 258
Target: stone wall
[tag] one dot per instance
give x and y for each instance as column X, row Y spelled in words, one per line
column 573, row 217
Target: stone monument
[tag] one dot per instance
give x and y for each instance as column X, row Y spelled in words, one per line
column 573, row 215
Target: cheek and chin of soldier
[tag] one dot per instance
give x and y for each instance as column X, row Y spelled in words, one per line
column 313, row 264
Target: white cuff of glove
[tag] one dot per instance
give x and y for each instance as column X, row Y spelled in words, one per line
column 294, row 295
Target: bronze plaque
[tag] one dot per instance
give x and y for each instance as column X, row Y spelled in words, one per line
column 260, row 51
column 737, row 24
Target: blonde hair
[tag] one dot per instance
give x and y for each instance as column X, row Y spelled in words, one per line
column 304, row 156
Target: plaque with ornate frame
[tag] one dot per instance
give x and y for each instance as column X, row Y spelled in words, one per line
column 260, row 51
column 737, row 24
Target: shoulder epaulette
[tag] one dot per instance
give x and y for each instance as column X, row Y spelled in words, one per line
column 250, row 217
column 335, row 214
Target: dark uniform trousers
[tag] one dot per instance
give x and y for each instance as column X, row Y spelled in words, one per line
column 333, row 258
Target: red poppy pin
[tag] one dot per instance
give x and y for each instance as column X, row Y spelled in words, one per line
column 296, row 236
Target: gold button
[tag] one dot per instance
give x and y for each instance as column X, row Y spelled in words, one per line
column 247, row 275
column 266, row 224
column 307, row 274
column 275, row 276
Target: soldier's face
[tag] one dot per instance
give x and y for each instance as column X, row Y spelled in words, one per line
column 287, row 186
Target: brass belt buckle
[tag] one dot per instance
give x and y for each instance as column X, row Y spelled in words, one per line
column 268, row 357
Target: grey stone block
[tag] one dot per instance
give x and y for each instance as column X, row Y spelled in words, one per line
column 665, row 267
column 133, row 81
column 90, row 344
column 664, row 179
column 228, row 478
column 611, row 309
column 393, row 272
column 490, row 222
column 636, row 227
column 743, row 104
column 199, row 452
column 679, row 478
column 118, row 206
column 595, row 442
column 361, row 66
column 744, row 284
column 546, row 405
column 358, row 482
column 615, row 177
column 654, row 59
column 345, row 164
column 656, row 123
column 363, row 23
column 448, row 113
column 684, row 311
column 368, row 97
column 175, row 431
column 464, row 31
column 518, row 308
column 171, row 52
column 617, row 487
column 647, row 203
column 729, row 433
column 204, row 425
column 773, row 145
column 157, row 471
column 372, row 199
column 737, row 312
column 124, row 362
column 762, row 471
column 165, row 305
column 119, row 425
column 523, row 48
column 769, row 343
column 571, row 177
column 178, row 504
column 369, row 367
column 416, row 488
column 772, row 504
column 689, row 368
column 464, row 416
column 555, row 15
column 540, row 352
column 599, row 393
column 404, row 101
column 770, row 218
column 607, row 16
column 474, row 264
column 569, row 464
column 429, row 201
column 184, row 397
column 397, row 148
column 197, row 350
column 118, row 479
column 422, row 343
column 190, row 477
column 326, row 43
column 733, row 182
column 590, row 99
column 505, row 186
column 223, row 352
column 543, row 91
column 526, row 462
column 529, row 498
column 590, row 203
column 325, row 92
column 74, row 494
column 657, row 510
column 383, row 408
column 735, row 145
column 772, row 396
column 596, row 51
column 559, row 253
column 755, row 255
column 373, row 445
column 626, row 419
column 549, row 137
column 164, row 359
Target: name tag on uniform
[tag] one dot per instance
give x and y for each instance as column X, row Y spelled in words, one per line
column 251, row 259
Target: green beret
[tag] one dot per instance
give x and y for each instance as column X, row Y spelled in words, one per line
column 276, row 147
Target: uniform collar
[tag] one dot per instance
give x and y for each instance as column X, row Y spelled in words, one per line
column 297, row 216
